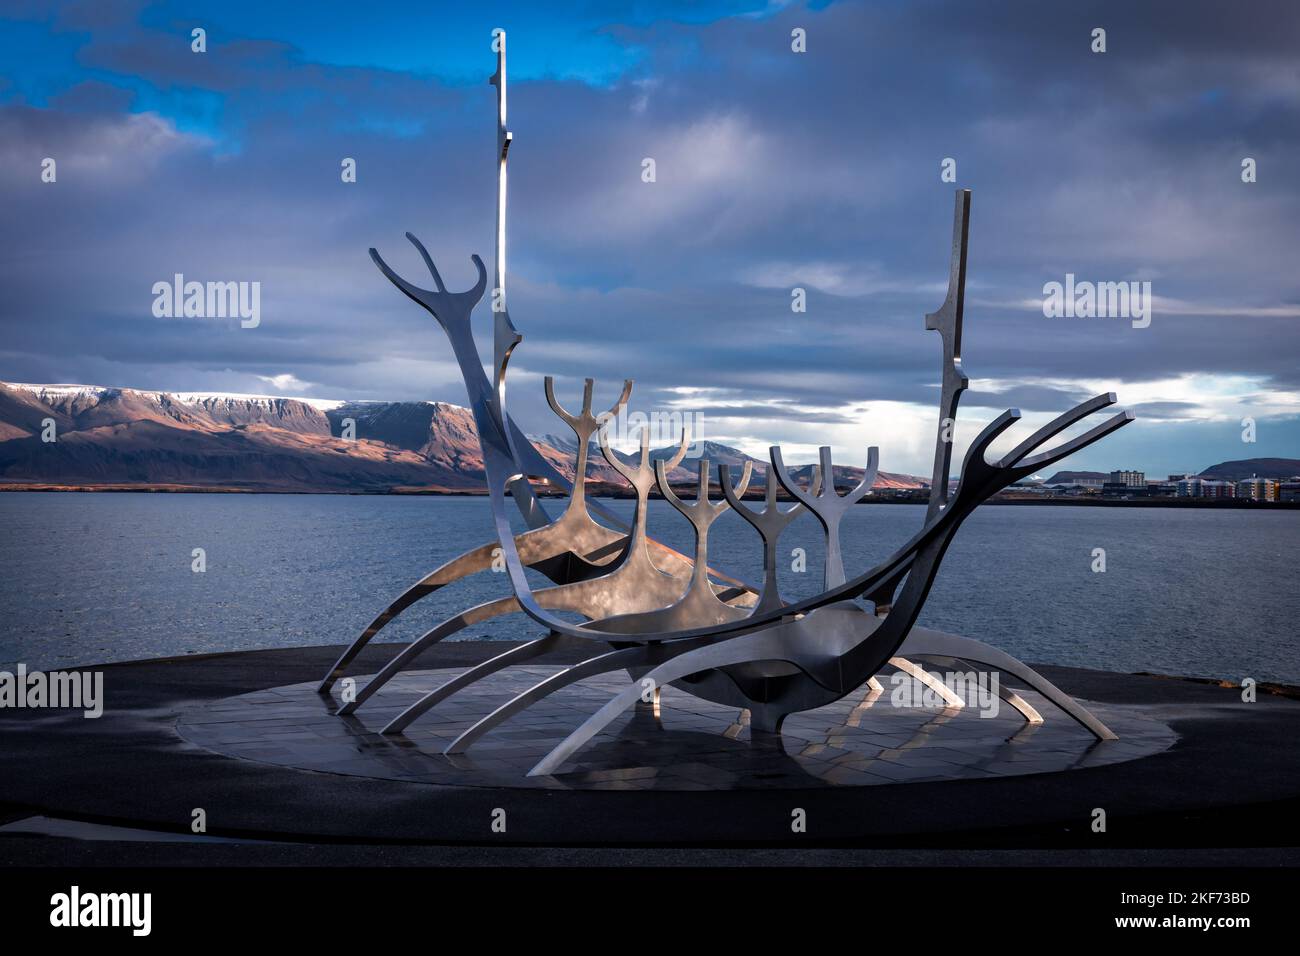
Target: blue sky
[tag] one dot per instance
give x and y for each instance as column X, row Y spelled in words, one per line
column 774, row 170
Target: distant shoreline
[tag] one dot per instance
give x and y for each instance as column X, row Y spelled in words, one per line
column 1229, row 504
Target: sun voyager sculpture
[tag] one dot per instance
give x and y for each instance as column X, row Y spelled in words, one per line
column 669, row 618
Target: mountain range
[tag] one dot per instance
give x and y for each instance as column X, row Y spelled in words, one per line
column 132, row 438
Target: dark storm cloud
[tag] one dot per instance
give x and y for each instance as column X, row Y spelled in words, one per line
column 1027, row 396
column 773, row 170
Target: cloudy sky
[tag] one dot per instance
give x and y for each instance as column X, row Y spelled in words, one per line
column 774, row 169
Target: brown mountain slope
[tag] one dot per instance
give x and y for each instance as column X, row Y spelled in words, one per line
column 129, row 437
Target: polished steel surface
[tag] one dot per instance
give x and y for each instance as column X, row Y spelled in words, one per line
column 668, row 619
column 571, row 549
column 769, row 523
column 700, row 606
column 634, row 584
column 826, row 504
column 947, row 322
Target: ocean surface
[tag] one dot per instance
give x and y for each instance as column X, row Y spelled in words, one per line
column 94, row 578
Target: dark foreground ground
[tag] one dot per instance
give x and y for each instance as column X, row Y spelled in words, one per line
column 1227, row 794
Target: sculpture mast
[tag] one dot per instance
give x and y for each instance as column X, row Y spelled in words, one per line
column 947, row 322
column 505, row 337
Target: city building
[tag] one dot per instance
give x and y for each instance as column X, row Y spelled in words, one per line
column 1259, row 489
column 1206, row 488
column 1129, row 479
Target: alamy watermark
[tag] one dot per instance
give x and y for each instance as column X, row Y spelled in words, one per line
column 665, row 428
column 1100, row 300
column 75, row 690
column 978, row 688
column 208, row 300
column 76, row 908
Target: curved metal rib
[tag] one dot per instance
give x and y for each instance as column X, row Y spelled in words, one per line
column 634, row 585
column 736, row 651
column 924, row 641
column 855, row 657
column 600, row 664
column 475, row 615
column 920, row 674
column 516, row 655
column 537, row 549
column 572, row 548
column 631, row 586
column 453, row 570
column 1014, row 700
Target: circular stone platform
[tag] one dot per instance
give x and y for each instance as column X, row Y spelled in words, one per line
column 866, row 739
column 244, row 737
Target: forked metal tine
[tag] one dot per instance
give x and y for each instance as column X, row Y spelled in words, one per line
column 746, row 473
column 787, row 481
column 428, row 261
column 1055, row 426
column 728, row 492
column 771, row 520
column 411, row 290
column 622, row 401
column 662, row 468
column 864, row 486
column 635, row 476
column 770, row 506
column 480, row 286
column 450, row 308
column 824, row 454
column 769, row 523
column 602, row 437
column 982, row 479
column 548, row 383
column 1082, row 441
column 826, row 504
column 821, row 490
column 701, row 503
column 678, row 455
column 585, row 419
column 815, row 485
column 661, row 476
column 975, row 461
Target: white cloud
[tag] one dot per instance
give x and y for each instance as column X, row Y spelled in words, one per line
column 285, row 382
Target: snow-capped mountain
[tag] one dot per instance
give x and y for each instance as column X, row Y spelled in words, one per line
column 125, row 437
column 105, row 436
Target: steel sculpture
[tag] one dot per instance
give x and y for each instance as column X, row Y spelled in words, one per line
column 667, row 618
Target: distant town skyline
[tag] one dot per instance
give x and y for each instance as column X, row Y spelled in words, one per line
column 776, row 170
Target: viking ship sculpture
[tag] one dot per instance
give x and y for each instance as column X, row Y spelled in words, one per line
column 668, row 618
